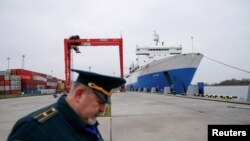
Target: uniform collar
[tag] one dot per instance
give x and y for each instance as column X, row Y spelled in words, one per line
column 74, row 120
column 70, row 115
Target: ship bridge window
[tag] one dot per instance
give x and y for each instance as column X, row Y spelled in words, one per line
column 152, row 49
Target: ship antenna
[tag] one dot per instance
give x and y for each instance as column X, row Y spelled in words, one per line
column 156, row 38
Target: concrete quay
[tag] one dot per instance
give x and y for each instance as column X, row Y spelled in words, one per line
column 143, row 116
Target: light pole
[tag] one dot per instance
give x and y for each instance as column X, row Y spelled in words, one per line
column 192, row 38
column 23, row 61
column 90, row 68
column 8, row 62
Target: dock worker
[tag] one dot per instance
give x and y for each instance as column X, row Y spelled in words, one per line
column 72, row 117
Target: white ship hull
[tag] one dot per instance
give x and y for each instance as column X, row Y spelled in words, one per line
column 176, row 72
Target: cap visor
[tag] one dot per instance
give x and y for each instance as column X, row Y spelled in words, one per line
column 103, row 97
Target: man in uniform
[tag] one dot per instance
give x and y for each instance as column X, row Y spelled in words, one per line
column 72, row 117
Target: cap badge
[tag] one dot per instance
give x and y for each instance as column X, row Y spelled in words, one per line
column 94, row 86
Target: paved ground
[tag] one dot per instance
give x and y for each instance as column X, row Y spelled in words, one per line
column 143, row 117
column 13, row 109
column 147, row 117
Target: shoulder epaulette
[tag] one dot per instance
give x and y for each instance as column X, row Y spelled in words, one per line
column 45, row 114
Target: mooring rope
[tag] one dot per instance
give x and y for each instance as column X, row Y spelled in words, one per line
column 227, row 65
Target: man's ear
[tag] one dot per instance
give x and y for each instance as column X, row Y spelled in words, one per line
column 79, row 93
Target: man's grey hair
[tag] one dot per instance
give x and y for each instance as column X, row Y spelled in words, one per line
column 76, row 84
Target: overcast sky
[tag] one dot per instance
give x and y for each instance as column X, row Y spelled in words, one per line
column 37, row 28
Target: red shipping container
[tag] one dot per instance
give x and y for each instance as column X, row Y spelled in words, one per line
column 6, row 83
column 16, row 71
column 23, row 72
column 29, row 82
column 28, row 86
column 49, row 80
column 35, row 73
column 40, row 82
column 13, row 71
column 2, row 77
column 39, row 74
column 26, row 77
column 2, row 82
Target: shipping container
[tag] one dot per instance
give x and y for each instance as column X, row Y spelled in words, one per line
column 23, row 72
column 28, row 82
column 8, row 72
column 6, row 77
column 30, row 91
column 15, row 77
column 6, row 82
column 17, row 81
column 24, row 87
column 2, row 82
column 41, row 83
column 1, row 77
column 40, row 78
column 25, row 77
column 15, row 87
column 2, row 88
column 6, row 88
column 2, row 73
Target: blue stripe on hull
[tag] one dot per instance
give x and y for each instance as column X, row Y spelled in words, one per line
column 178, row 80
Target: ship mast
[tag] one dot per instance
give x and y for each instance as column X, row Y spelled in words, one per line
column 156, row 38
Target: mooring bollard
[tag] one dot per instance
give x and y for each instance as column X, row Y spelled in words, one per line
column 153, row 90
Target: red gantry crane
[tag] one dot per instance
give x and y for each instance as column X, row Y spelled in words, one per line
column 74, row 41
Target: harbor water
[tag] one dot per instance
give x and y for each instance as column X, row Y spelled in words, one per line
column 240, row 91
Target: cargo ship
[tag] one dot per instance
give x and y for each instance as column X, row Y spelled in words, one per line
column 162, row 67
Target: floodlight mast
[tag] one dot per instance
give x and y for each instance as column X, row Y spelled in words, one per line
column 74, row 42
